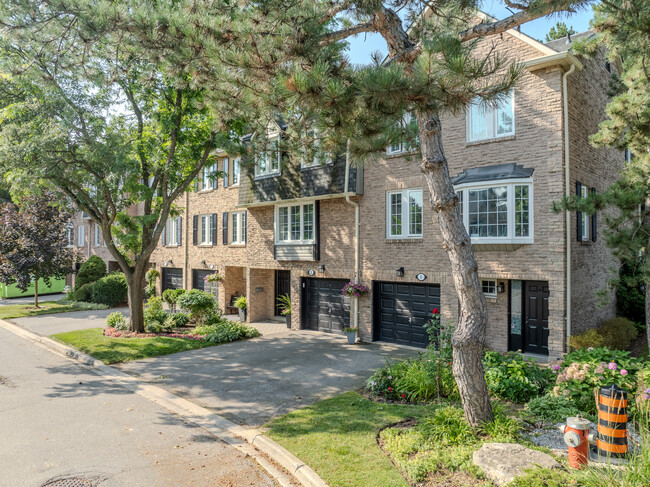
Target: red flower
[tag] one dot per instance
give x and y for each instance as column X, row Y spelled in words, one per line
column 403, row 395
column 390, row 389
column 436, row 311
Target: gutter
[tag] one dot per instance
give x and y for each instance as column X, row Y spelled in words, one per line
column 567, row 189
column 356, row 232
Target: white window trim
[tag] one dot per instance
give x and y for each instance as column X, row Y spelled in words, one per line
column 236, row 162
column 406, row 223
column 276, row 224
column 205, row 181
column 403, row 147
column 240, row 238
column 269, row 172
column 315, row 161
column 496, row 288
column 97, row 238
column 491, row 127
column 586, row 234
column 208, row 233
column 171, row 232
column 70, row 234
column 510, row 185
column 81, row 236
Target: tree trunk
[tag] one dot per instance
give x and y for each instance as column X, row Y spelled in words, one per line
column 469, row 338
column 136, row 300
column 36, row 292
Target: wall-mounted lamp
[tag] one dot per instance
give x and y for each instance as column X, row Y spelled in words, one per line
column 168, row 263
column 400, row 272
column 204, row 263
column 211, row 266
column 321, row 268
column 501, row 287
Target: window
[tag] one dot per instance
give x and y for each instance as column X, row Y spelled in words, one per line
column 235, row 171
column 489, row 288
column 488, row 122
column 409, row 122
column 238, row 227
column 295, row 224
column 497, row 213
column 208, row 177
column 98, row 237
column 404, row 214
column 81, row 236
column 584, row 218
column 205, row 230
column 267, row 161
column 312, row 154
column 173, row 231
column 69, row 234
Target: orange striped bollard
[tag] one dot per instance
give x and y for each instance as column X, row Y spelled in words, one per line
column 612, row 423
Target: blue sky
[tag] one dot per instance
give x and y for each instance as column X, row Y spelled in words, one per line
column 363, row 45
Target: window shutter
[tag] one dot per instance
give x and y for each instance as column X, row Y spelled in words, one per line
column 196, row 183
column 215, row 180
column 162, row 236
column 579, row 213
column 195, row 229
column 214, row 229
column 245, row 225
column 226, row 163
column 225, row 228
column 317, row 229
column 594, row 218
column 179, row 232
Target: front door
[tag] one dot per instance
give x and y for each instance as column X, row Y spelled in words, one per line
column 536, row 317
column 282, row 286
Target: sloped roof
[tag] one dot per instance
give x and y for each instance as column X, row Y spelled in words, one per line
column 493, row 173
column 565, row 43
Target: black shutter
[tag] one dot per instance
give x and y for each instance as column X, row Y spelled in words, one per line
column 225, row 228
column 579, row 213
column 226, row 162
column 195, row 229
column 594, row 218
column 179, row 232
column 214, row 229
column 245, row 224
column 317, row 229
column 162, row 236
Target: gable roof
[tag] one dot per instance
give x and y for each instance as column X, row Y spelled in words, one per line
column 564, row 43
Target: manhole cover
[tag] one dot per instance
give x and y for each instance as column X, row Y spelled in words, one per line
column 71, row 482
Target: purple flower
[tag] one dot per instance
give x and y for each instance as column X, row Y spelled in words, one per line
column 556, row 367
column 612, row 366
column 623, row 372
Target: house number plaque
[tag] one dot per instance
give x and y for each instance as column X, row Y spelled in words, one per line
column 421, row 277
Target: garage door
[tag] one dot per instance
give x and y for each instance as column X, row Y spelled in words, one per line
column 172, row 279
column 324, row 307
column 401, row 310
column 199, row 282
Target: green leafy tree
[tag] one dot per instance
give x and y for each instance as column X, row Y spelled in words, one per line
column 290, row 59
column 87, row 113
column 33, row 243
column 558, row 31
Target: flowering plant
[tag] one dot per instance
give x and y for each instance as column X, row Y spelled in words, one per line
column 112, row 332
column 354, row 289
column 214, row 277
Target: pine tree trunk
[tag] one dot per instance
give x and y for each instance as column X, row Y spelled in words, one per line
column 36, row 292
column 136, row 300
column 469, row 338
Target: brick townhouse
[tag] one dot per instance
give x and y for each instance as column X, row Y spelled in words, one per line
column 277, row 225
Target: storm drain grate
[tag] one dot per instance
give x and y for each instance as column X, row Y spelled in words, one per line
column 72, row 482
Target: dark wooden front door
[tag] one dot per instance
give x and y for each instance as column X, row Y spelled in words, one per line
column 536, row 317
column 282, row 286
column 324, row 308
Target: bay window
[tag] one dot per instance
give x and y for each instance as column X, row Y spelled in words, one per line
column 295, row 223
column 490, row 122
column 404, row 214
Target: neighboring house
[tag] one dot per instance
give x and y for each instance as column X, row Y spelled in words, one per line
column 276, row 226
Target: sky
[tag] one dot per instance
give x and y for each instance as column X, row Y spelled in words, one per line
column 363, row 45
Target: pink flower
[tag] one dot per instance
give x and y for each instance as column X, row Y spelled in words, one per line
column 612, row 366
column 556, row 367
column 623, row 372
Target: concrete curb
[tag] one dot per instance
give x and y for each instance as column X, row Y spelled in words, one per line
column 246, row 440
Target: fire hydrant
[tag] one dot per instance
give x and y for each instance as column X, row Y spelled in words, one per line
column 575, row 432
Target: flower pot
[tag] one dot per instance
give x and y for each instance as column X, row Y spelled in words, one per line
column 242, row 314
column 352, row 337
column 288, row 317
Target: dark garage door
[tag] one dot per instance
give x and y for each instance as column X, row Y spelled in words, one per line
column 324, row 307
column 401, row 310
column 198, row 279
column 172, row 279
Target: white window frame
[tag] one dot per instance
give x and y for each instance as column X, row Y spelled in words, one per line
column 269, row 170
column 403, row 147
column 585, row 219
column 97, row 236
column 510, row 187
column 236, row 165
column 206, row 177
column 406, row 214
column 491, row 120
column 289, row 240
column 208, row 230
column 81, row 236
column 69, row 229
column 237, row 228
column 315, row 143
column 171, row 232
column 490, row 295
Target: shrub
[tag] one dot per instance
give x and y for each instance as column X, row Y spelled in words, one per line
column 199, row 304
column 170, row 296
column 617, row 333
column 177, row 320
column 512, row 377
column 550, row 408
column 91, row 271
column 111, row 290
column 117, row 320
column 448, row 426
column 151, row 276
column 84, row 293
column 226, row 331
column 154, row 316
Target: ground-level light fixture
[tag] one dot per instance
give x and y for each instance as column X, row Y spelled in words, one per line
column 400, row 272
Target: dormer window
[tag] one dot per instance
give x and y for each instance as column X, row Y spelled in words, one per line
column 312, row 155
column 409, row 122
column 490, row 122
column 267, row 161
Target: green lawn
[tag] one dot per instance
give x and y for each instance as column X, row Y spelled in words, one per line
column 46, row 308
column 338, row 438
column 113, row 350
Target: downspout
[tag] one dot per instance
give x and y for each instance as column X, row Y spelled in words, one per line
column 186, row 247
column 356, row 232
column 567, row 190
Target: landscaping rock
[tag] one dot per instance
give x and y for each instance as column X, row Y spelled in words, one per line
column 502, row 462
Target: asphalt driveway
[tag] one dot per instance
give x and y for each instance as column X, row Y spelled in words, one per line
column 47, row 325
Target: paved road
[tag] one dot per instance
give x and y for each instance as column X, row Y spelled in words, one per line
column 59, row 419
column 47, row 325
column 30, row 299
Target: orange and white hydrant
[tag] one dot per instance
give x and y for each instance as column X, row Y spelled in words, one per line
column 575, row 432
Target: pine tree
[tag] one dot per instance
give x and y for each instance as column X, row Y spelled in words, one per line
column 559, row 31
